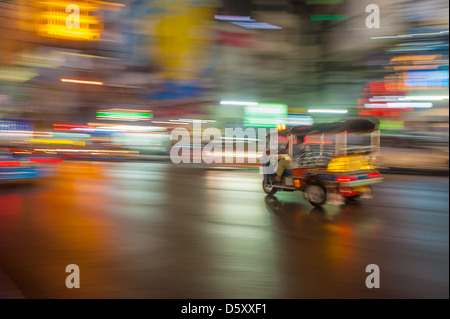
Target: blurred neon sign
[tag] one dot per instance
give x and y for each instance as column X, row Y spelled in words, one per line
column 427, row 78
column 265, row 114
column 124, row 115
column 74, row 20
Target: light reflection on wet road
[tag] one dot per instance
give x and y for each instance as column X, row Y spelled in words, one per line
column 153, row 230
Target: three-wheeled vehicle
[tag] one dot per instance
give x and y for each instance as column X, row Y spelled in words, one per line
column 340, row 164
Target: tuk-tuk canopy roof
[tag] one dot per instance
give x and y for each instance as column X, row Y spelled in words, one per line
column 350, row 126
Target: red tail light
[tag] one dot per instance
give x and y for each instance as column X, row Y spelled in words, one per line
column 348, row 191
column 345, row 179
column 373, row 175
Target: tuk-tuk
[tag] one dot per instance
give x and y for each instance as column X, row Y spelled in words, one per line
column 340, row 162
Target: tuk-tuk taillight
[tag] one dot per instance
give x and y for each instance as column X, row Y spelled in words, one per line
column 345, row 179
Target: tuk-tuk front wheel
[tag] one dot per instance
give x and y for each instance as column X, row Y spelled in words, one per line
column 316, row 193
column 269, row 189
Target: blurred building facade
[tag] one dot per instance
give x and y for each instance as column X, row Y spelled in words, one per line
column 181, row 58
column 325, row 55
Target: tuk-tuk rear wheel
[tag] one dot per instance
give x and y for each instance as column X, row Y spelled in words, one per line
column 316, row 193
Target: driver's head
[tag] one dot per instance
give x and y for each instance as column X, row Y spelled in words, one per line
column 300, row 140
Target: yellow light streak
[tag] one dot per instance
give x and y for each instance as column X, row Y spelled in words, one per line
column 110, row 3
column 81, row 82
column 63, row 17
column 415, row 58
column 63, row 5
column 87, row 151
column 61, row 142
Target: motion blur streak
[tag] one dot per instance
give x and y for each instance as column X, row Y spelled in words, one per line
column 81, row 82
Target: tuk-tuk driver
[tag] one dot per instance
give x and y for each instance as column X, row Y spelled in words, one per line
column 298, row 149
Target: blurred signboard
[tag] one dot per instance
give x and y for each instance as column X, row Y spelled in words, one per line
column 181, row 46
column 16, row 129
column 265, row 114
column 299, row 120
column 76, row 20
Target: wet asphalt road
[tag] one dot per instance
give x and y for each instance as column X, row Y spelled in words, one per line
column 153, row 230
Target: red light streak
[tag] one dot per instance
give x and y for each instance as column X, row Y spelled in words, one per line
column 46, row 160
column 9, row 163
column 371, row 113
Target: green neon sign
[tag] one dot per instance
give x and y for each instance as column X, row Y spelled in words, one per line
column 265, row 114
column 125, row 115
